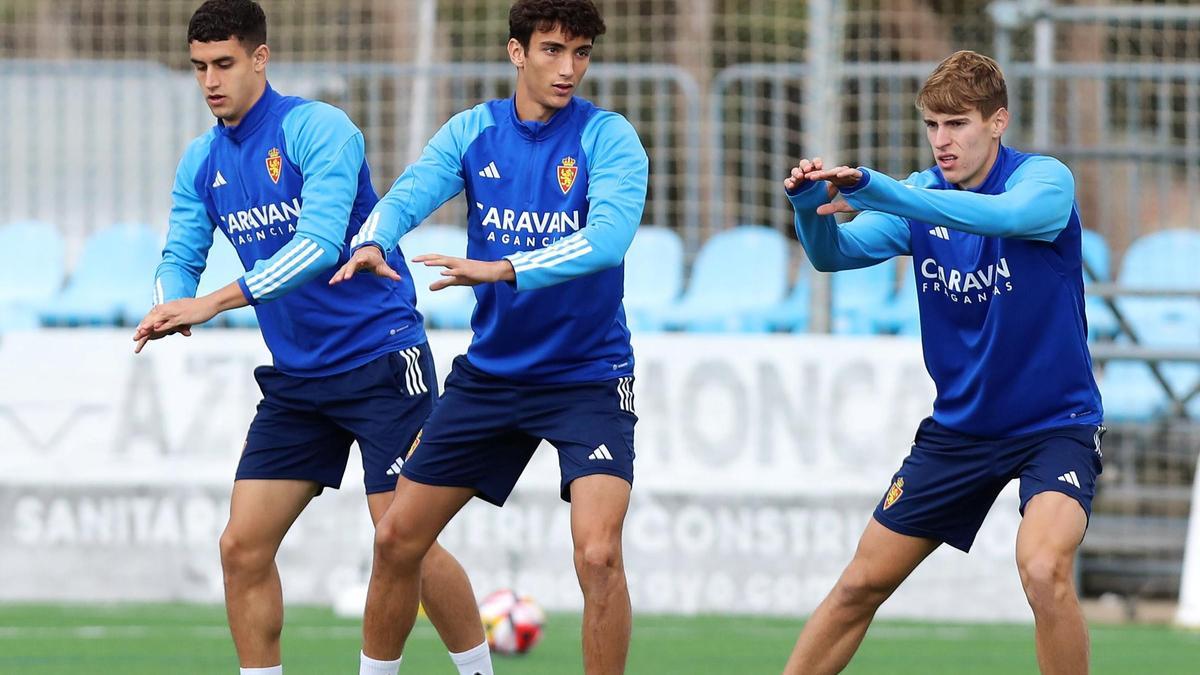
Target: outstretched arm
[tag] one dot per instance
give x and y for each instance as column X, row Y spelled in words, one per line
column 870, row 238
column 1036, row 205
column 431, row 181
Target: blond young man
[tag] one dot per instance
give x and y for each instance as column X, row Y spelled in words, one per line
column 995, row 239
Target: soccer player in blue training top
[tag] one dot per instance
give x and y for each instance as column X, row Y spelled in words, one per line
column 995, row 239
column 286, row 181
column 555, row 191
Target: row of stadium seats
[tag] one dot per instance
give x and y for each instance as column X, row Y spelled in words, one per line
column 737, row 283
column 1162, row 260
column 754, row 299
column 110, row 282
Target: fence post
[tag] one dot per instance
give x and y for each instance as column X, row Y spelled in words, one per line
column 422, row 89
column 1043, row 56
column 822, row 112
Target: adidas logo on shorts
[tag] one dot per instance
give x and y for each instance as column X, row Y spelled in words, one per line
column 601, row 453
column 1070, row 477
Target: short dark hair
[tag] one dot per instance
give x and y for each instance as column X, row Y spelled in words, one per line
column 220, row 20
column 576, row 18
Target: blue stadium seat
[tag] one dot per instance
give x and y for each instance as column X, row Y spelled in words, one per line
column 901, row 315
column 1165, row 259
column 653, row 276
column 113, row 279
column 738, row 272
column 859, row 298
column 450, row 307
column 31, row 272
column 859, row 295
column 791, row 315
column 1101, row 322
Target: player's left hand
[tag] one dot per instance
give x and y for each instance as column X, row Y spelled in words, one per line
column 839, row 177
column 466, row 272
column 177, row 316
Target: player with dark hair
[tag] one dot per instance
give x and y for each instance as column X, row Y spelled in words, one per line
column 995, row 238
column 555, row 188
column 286, row 181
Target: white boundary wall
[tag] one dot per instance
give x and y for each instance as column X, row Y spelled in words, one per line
column 759, row 462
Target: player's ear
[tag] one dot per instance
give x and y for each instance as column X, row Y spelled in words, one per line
column 516, row 52
column 1000, row 122
column 260, row 57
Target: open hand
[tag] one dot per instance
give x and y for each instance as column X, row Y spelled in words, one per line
column 177, row 316
column 466, row 272
column 366, row 259
column 814, row 170
column 838, row 177
column 841, row 176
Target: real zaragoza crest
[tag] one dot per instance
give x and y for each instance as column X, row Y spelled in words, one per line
column 416, row 441
column 566, row 174
column 894, row 493
column 274, row 164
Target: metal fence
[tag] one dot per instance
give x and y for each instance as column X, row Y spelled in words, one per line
column 92, row 143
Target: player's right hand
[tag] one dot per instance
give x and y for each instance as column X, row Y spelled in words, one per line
column 800, row 172
column 366, row 259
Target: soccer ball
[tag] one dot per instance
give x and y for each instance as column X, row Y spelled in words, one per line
column 513, row 623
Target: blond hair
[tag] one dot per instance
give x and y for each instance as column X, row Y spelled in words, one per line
column 965, row 80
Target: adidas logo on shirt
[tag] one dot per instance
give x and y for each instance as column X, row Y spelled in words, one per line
column 1070, row 477
column 219, row 181
column 601, row 453
column 394, row 469
column 490, row 171
column 940, row 233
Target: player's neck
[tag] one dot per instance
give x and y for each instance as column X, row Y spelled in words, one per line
column 529, row 110
column 258, row 94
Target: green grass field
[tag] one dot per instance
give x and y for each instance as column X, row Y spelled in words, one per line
column 186, row 639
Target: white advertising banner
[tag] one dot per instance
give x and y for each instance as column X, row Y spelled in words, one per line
column 759, row 460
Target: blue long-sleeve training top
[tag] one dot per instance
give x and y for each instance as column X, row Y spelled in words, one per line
column 289, row 186
column 999, row 281
column 561, row 201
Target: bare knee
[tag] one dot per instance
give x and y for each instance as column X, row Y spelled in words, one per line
column 598, row 560
column 396, row 546
column 858, row 589
column 1047, row 579
column 243, row 557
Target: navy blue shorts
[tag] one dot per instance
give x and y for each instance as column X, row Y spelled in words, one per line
column 950, row 480
column 485, row 429
column 305, row 425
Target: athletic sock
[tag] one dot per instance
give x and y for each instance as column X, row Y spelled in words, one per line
column 474, row 661
column 273, row 670
column 370, row 666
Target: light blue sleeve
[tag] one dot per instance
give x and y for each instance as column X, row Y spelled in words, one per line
column 1036, row 204
column 618, row 171
column 330, row 152
column 426, row 184
column 871, row 238
column 190, row 231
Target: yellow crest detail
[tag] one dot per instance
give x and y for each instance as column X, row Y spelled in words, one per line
column 274, row 164
column 894, row 493
column 412, row 448
column 566, row 174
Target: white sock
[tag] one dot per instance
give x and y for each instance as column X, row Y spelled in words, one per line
column 273, row 670
column 474, row 661
column 369, row 666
